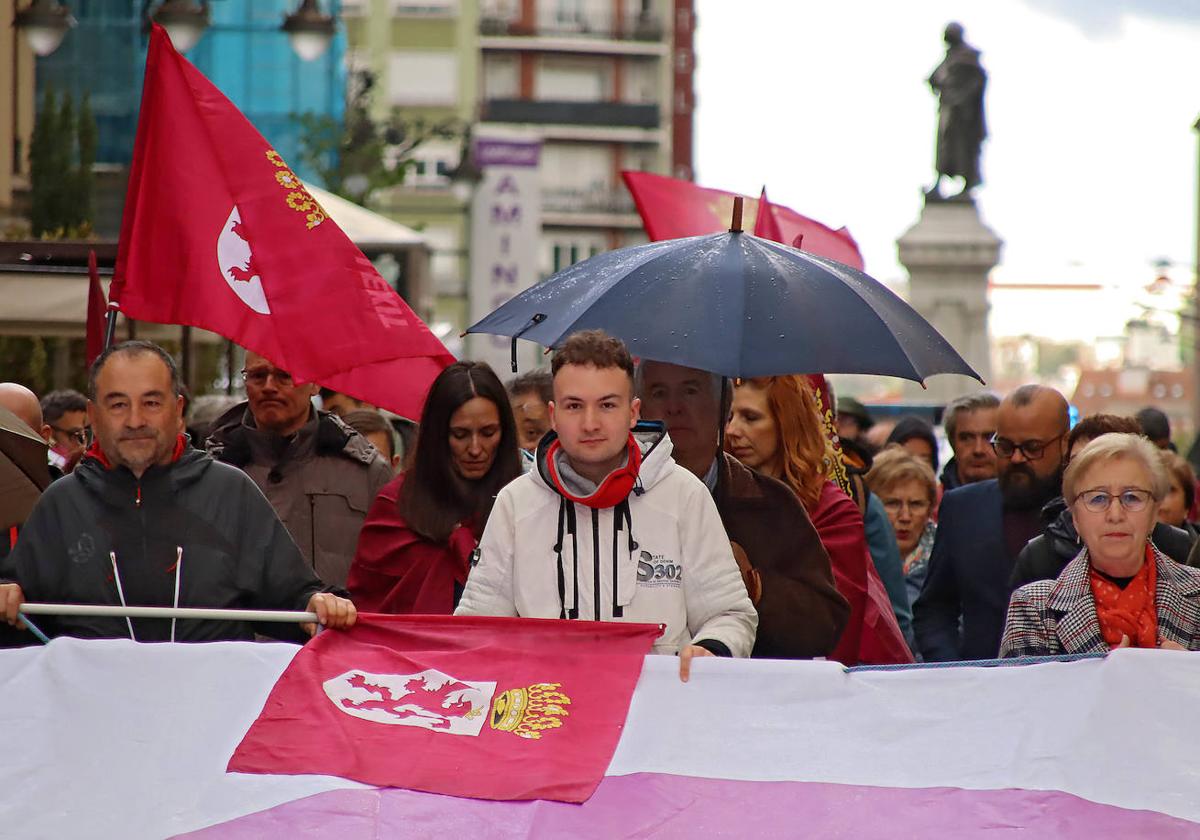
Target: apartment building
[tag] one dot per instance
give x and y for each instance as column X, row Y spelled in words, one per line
column 605, row 85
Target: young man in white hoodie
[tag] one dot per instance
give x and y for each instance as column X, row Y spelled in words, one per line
column 606, row 526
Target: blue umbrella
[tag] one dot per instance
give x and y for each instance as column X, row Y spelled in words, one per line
column 733, row 304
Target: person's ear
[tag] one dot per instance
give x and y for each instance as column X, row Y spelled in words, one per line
column 550, row 414
column 635, row 411
column 47, row 434
column 91, row 413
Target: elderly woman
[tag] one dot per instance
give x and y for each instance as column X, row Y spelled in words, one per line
column 907, row 486
column 1120, row 591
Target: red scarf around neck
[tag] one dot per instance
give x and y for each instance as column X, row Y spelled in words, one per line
column 1129, row 611
column 613, row 490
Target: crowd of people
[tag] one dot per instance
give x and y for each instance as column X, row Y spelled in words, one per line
column 756, row 517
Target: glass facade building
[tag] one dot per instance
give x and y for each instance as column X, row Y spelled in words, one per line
column 243, row 52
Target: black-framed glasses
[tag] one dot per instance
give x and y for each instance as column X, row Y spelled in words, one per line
column 1132, row 499
column 258, row 377
column 1031, row 449
column 80, row 436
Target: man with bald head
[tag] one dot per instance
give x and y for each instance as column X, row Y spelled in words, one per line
column 24, row 403
column 984, row 525
column 319, row 475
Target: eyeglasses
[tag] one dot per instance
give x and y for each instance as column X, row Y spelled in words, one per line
column 80, row 436
column 258, row 377
column 1031, row 449
column 1132, row 499
column 916, row 507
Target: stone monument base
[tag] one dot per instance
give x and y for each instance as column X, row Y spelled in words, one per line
column 949, row 253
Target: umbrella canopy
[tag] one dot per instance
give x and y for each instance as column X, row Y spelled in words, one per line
column 24, row 473
column 733, row 304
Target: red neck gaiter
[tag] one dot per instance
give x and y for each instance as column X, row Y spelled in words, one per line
column 613, row 490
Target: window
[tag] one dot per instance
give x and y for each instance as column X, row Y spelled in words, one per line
column 432, row 8
column 427, row 77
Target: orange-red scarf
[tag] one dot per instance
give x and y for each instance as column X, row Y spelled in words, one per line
column 1129, row 611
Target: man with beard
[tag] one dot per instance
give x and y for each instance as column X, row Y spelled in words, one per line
column 984, row 525
column 145, row 520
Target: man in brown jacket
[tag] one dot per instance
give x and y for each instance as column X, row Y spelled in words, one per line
column 787, row 571
column 320, row 475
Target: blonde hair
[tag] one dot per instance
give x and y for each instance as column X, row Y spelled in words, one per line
column 806, row 453
column 895, row 465
column 1114, row 447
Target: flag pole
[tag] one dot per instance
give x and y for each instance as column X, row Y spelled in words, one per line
column 112, row 611
column 110, row 328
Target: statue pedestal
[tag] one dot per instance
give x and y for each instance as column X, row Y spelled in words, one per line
column 948, row 254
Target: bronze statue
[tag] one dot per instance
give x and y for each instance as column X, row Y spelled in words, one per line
column 959, row 82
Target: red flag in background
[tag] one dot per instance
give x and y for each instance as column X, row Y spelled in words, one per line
column 765, row 223
column 672, row 209
column 97, row 307
column 489, row 708
column 219, row 233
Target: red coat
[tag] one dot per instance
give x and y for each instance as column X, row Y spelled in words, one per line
column 872, row 636
column 396, row 570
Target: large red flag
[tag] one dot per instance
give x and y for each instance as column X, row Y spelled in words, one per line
column 219, row 233
column 97, row 307
column 490, row 708
column 672, row 209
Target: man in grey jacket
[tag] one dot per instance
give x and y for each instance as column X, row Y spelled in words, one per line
column 320, row 475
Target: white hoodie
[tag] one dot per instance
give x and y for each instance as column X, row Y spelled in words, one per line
column 677, row 569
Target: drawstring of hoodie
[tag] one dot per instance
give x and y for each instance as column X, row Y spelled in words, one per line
column 177, row 566
column 566, row 514
column 621, row 516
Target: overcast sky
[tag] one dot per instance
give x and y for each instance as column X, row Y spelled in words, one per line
column 1090, row 168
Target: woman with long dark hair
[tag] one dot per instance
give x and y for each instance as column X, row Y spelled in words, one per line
column 415, row 548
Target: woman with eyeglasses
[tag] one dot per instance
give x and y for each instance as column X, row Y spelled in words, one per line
column 907, row 486
column 1120, row 591
column 1046, row 555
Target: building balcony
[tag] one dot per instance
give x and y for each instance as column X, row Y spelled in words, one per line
column 645, row 36
column 644, row 27
column 571, row 113
column 597, row 200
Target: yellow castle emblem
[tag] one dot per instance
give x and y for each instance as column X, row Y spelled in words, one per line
column 531, row 710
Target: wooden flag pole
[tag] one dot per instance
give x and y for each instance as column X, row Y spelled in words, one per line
column 736, row 225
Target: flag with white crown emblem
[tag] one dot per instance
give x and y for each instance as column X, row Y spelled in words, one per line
column 218, row 232
column 490, row 708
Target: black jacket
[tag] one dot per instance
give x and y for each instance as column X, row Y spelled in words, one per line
column 949, row 478
column 1046, row 555
column 236, row 554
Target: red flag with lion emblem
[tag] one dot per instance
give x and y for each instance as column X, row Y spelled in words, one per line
column 219, row 233
column 489, row 708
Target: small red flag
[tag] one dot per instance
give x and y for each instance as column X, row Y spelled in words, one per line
column 97, row 308
column 765, row 223
column 488, row 708
column 672, row 209
column 220, row 233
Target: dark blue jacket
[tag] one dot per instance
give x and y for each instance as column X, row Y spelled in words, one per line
column 960, row 612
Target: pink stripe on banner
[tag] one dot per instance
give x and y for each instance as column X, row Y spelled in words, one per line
column 659, row 805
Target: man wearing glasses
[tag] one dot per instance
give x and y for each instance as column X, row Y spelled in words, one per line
column 65, row 412
column 984, row 525
column 319, row 474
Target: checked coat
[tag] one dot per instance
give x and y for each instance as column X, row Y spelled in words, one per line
column 1052, row 617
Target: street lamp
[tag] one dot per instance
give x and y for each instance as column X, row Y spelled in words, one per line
column 184, row 20
column 44, row 24
column 309, row 29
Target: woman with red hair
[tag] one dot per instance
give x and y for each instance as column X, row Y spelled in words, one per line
column 775, row 428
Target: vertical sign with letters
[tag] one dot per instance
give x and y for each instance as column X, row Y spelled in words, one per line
column 506, row 227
